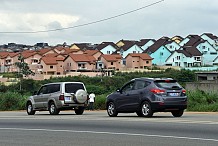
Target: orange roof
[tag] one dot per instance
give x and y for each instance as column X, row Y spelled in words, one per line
column 82, row 57
column 111, row 57
column 51, row 60
column 28, row 54
column 3, row 54
column 143, row 56
column 91, row 52
column 51, row 55
column 43, row 51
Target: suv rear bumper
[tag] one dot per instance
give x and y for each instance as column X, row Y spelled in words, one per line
column 160, row 107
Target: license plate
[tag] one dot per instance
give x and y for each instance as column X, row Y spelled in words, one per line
column 174, row 94
column 67, row 98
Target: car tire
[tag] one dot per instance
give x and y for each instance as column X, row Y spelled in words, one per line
column 53, row 110
column 178, row 113
column 79, row 111
column 111, row 109
column 145, row 110
column 29, row 109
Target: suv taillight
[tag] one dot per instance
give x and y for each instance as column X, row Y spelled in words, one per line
column 61, row 97
column 157, row 91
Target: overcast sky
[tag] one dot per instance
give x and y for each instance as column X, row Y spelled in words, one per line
column 167, row 18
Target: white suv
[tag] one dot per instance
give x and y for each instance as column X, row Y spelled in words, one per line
column 55, row 97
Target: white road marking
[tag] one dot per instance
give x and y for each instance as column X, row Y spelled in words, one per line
column 113, row 133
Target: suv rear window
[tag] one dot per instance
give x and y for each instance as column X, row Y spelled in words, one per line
column 167, row 84
column 73, row 87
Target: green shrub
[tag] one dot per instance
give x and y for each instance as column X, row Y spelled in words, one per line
column 12, row 101
column 202, row 101
column 100, row 101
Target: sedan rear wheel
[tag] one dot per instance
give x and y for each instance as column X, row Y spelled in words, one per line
column 178, row 113
column 146, row 110
column 111, row 110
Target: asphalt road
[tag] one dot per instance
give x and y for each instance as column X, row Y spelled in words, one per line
column 95, row 128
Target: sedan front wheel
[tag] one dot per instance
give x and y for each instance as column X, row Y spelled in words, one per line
column 111, row 110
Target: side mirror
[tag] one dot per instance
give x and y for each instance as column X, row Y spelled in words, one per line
column 118, row 90
column 35, row 92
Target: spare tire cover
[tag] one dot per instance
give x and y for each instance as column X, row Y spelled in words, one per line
column 81, row 96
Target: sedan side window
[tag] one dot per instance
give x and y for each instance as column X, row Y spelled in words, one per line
column 128, row 87
column 141, row 84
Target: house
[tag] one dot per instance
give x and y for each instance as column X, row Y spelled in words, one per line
column 126, row 47
column 8, row 62
column 51, row 65
column 209, row 53
column 158, row 51
column 171, row 45
column 81, row 62
column 45, row 51
column 32, row 58
column 107, row 47
column 112, row 61
column 145, row 43
column 186, row 57
column 177, row 39
column 138, row 60
column 215, row 61
column 211, row 38
column 82, row 46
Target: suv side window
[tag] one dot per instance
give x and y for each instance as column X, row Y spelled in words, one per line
column 53, row 88
column 42, row 90
column 128, row 87
column 141, row 84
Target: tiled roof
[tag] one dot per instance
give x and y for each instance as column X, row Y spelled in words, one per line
column 43, row 51
column 142, row 42
column 51, row 60
column 210, row 35
column 83, row 46
column 111, row 57
column 161, row 42
column 51, row 55
column 184, row 52
column 193, row 51
column 105, row 44
column 194, row 40
column 3, row 54
column 82, row 57
column 91, row 52
column 28, row 54
column 143, row 56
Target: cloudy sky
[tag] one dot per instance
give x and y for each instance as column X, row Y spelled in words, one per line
column 167, row 18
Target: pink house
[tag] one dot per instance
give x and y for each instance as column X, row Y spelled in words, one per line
column 94, row 53
column 112, row 61
column 75, row 62
column 52, row 65
column 138, row 60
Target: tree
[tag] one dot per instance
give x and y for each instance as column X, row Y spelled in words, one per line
column 24, row 69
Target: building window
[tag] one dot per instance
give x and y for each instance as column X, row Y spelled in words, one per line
column 161, row 53
column 134, row 51
column 147, row 62
column 108, row 52
column 112, row 63
column 51, row 67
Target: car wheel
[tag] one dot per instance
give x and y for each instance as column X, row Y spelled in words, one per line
column 178, row 113
column 29, row 109
column 53, row 110
column 80, row 110
column 146, row 110
column 111, row 110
